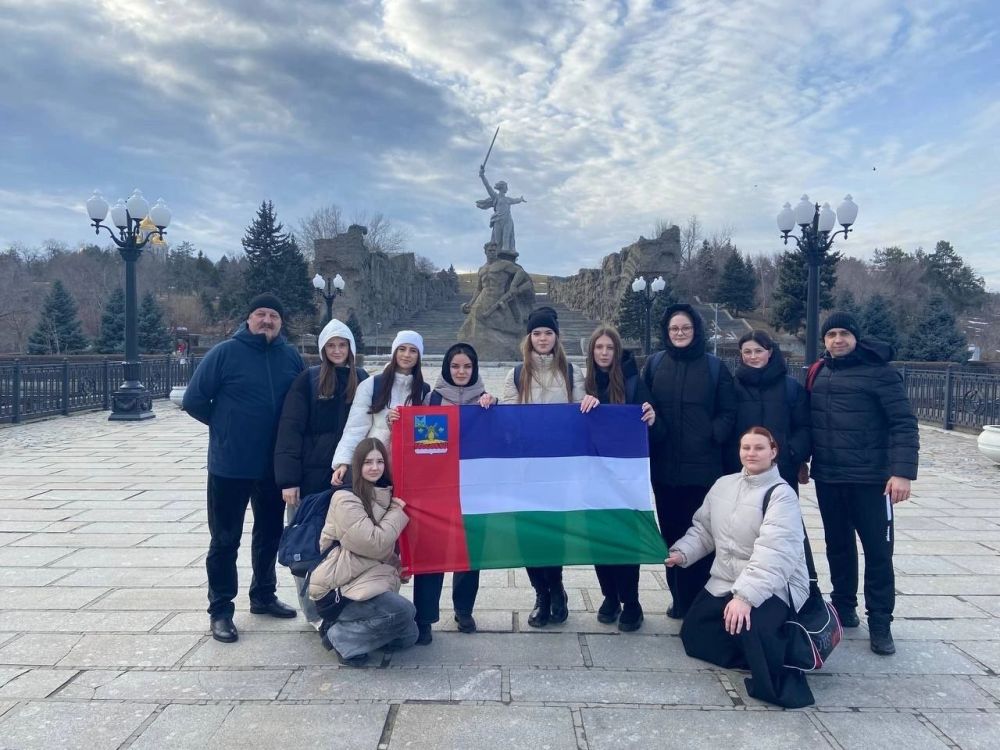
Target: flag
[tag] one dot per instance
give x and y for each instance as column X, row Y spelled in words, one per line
column 529, row 485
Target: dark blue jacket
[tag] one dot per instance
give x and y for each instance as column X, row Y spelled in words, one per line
column 238, row 390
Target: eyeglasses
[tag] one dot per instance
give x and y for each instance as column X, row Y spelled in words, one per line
column 681, row 329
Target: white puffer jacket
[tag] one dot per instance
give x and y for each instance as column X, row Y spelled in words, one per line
column 549, row 386
column 756, row 556
column 361, row 424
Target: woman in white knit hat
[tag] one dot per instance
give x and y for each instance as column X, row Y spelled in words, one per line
column 376, row 402
column 312, row 423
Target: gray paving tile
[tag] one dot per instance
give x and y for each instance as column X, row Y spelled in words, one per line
column 197, row 622
column 514, row 598
column 970, row 731
column 82, row 621
column 489, row 649
column 190, row 539
column 72, row 726
column 621, row 729
column 336, row 727
column 134, row 514
column 990, row 604
column 35, row 515
column 50, row 597
column 114, row 650
column 935, row 606
column 911, row 657
column 628, row 651
column 159, row 598
column 106, row 495
column 946, row 630
column 125, row 577
column 30, row 576
column 35, row 684
column 31, row 557
column 927, row 565
column 186, row 685
column 880, row 730
column 137, row 527
column 135, row 557
column 895, row 691
column 484, row 727
column 72, row 539
column 990, row 684
column 298, row 649
column 617, row 686
column 33, row 649
column 430, row 683
column 986, row 652
column 7, row 537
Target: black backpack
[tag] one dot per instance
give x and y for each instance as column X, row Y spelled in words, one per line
column 299, row 549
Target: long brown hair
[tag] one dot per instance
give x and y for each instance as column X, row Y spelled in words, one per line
column 560, row 363
column 360, row 486
column 327, row 386
column 381, row 399
column 616, row 378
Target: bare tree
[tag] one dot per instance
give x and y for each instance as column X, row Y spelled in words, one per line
column 383, row 235
column 766, row 270
column 18, row 301
column 690, row 238
column 661, row 227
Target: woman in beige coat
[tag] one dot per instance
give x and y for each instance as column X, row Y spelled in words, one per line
column 356, row 587
column 758, row 577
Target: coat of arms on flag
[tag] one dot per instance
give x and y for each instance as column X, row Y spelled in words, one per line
column 524, row 485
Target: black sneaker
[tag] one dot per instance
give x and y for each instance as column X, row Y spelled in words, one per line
column 560, row 606
column 609, row 610
column 631, row 618
column 881, row 639
column 466, row 623
column 848, row 617
column 539, row 616
column 425, row 635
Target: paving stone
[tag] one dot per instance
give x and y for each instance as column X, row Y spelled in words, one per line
column 37, row 650
column 990, row 684
column 35, row 684
column 585, row 578
column 79, row 621
column 52, row 597
column 138, row 527
column 970, row 731
column 617, row 686
column 630, row 651
column 927, row 565
column 895, row 691
column 34, row 514
column 72, row 539
column 880, row 730
column 429, row 726
column 156, row 599
column 514, row 598
column 430, row 683
column 981, row 564
column 12, row 526
column 30, row 576
column 911, row 657
column 935, row 606
column 197, row 541
column 130, row 558
column 137, row 515
column 489, row 649
column 335, row 727
column 619, row 729
column 7, row 537
column 126, row 577
column 986, row 652
column 31, row 557
column 956, row 585
column 72, row 726
column 113, row 650
column 186, row 685
column 105, row 495
column 197, row 622
column 989, row 604
column 299, row 649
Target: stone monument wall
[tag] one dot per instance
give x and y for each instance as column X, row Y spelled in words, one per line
column 380, row 287
column 598, row 291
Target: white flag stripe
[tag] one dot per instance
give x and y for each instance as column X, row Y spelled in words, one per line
column 509, row 485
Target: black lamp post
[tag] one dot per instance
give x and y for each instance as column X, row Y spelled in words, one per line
column 328, row 289
column 815, row 225
column 131, row 402
column 639, row 286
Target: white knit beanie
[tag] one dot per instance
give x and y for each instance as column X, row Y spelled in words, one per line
column 334, row 329
column 409, row 337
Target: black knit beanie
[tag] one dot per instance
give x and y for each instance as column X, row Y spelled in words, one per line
column 266, row 300
column 543, row 317
column 843, row 320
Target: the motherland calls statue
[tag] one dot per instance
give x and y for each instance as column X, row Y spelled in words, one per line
column 501, row 222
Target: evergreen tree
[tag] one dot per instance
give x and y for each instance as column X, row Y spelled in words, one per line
column 706, row 273
column 936, row 337
column 631, row 316
column 948, row 274
column 112, row 338
column 846, row 302
column 877, row 321
column 354, row 324
column 788, row 306
column 275, row 264
column 58, row 330
column 154, row 338
column 737, row 287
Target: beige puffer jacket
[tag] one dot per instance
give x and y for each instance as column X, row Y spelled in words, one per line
column 365, row 564
column 549, row 387
column 756, row 557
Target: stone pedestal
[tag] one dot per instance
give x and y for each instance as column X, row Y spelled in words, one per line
column 498, row 311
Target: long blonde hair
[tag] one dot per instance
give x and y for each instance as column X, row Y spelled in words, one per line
column 560, row 363
column 616, row 378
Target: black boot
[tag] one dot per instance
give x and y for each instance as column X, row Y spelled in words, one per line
column 540, row 615
column 223, row 630
column 424, row 634
column 881, row 638
column 560, row 606
column 631, row 618
column 466, row 623
column 609, row 610
column 848, row 617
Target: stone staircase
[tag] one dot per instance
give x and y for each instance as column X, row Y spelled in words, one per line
column 730, row 328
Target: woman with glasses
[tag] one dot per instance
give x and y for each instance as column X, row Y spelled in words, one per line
column 692, row 394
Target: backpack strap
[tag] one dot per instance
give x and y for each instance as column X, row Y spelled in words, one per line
column 791, row 393
column 767, row 497
column 714, row 365
column 314, row 382
column 517, row 376
column 435, row 399
column 651, row 364
column 813, row 373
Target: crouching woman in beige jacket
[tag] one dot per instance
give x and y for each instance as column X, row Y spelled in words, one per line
column 356, row 587
column 758, row 576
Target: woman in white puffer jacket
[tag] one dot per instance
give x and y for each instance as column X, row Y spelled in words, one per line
column 758, row 577
column 376, row 401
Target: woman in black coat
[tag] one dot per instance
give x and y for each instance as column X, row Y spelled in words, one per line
column 312, row 422
column 692, row 394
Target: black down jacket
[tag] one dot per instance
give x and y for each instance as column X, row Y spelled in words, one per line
column 768, row 397
column 308, row 433
column 863, row 429
column 694, row 411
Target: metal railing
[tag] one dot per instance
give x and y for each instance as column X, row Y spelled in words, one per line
column 30, row 390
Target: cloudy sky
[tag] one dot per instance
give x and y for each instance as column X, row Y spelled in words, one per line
column 613, row 115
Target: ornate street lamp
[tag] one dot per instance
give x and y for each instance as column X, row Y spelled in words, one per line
column 328, row 289
column 815, row 224
column 639, row 286
column 131, row 402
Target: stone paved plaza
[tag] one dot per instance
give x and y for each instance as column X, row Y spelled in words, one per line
column 104, row 642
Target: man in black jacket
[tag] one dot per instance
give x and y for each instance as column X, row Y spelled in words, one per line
column 865, row 447
column 238, row 390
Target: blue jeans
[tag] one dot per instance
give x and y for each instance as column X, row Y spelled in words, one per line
column 382, row 621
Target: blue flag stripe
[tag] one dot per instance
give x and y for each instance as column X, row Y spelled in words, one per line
column 552, row 430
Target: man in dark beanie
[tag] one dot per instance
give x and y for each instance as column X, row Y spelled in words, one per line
column 865, row 447
column 238, row 390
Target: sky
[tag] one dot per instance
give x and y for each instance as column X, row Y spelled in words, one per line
column 613, row 116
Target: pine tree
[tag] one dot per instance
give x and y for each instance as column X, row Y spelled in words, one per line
column 275, row 264
column 154, row 338
column 354, row 324
column 846, row 302
column 58, row 330
column 936, row 337
column 112, row 338
column 877, row 321
column 706, row 273
column 788, row 305
column 737, row 287
column 631, row 316
column 948, row 273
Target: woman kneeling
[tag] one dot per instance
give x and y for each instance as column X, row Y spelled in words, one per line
column 737, row 621
column 356, row 587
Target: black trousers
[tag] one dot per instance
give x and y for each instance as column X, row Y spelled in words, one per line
column 761, row 648
column 427, row 594
column 862, row 509
column 227, row 507
column 546, row 580
column 619, row 583
column 675, row 507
